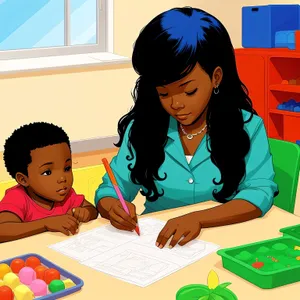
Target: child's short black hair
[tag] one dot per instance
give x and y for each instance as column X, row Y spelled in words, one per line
column 29, row 137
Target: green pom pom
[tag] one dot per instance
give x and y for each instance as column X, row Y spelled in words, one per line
column 56, row 286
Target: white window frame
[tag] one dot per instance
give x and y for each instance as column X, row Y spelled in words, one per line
column 104, row 37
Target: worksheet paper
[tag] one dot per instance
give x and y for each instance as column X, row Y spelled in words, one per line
column 129, row 257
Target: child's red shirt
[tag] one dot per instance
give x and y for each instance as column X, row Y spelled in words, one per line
column 18, row 202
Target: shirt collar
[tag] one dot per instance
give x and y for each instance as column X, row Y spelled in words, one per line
column 173, row 129
column 175, row 149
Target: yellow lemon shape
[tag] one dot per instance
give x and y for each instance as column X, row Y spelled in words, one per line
column 212, row 280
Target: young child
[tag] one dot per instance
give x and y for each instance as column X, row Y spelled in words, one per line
column 38, row 157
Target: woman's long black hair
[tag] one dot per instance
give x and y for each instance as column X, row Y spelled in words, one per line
column 166, row 50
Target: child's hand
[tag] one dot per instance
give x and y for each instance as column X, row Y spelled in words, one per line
column 81, row 214
column 64, row 224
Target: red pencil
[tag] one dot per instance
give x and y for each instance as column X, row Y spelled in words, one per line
column 116, row 187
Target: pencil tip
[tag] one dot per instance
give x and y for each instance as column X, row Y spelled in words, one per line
column 137, row 230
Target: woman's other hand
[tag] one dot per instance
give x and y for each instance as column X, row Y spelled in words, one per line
column 182, row 229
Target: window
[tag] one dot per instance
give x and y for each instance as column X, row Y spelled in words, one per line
column 38, row 28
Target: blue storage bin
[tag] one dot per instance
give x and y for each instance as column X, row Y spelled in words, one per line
column 260, row 23
column 299, row 18
column 285, row 39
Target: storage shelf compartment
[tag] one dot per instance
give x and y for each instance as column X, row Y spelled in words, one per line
column 284, row 68
column 291, row 125
column 275, row 126
column 279, row 97
column 283, row 126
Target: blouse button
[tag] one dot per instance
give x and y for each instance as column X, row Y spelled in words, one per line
column 191, row 180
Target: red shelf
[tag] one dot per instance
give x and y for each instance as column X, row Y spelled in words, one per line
column 285, row 113
column 259, row 69
column 270, row 52
column 290, row 88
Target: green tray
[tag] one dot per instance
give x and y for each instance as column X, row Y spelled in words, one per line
column 293, row 231
column 267, row 278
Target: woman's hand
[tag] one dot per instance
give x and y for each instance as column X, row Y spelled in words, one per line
column 187, row 227
column 120, row 219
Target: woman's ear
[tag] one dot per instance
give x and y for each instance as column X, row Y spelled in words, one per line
column 217, row 76
column 22, row 179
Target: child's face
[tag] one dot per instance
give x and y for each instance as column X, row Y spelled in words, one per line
column 50, row 173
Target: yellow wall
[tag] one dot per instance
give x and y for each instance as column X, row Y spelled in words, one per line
column 136, row 13
column 88, row 104
column 83, row 103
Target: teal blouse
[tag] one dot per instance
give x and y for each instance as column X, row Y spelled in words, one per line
column 193, row 183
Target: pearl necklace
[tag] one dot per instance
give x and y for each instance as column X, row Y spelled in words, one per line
column 190, row 136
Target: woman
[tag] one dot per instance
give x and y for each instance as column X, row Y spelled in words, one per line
column 192, row 135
